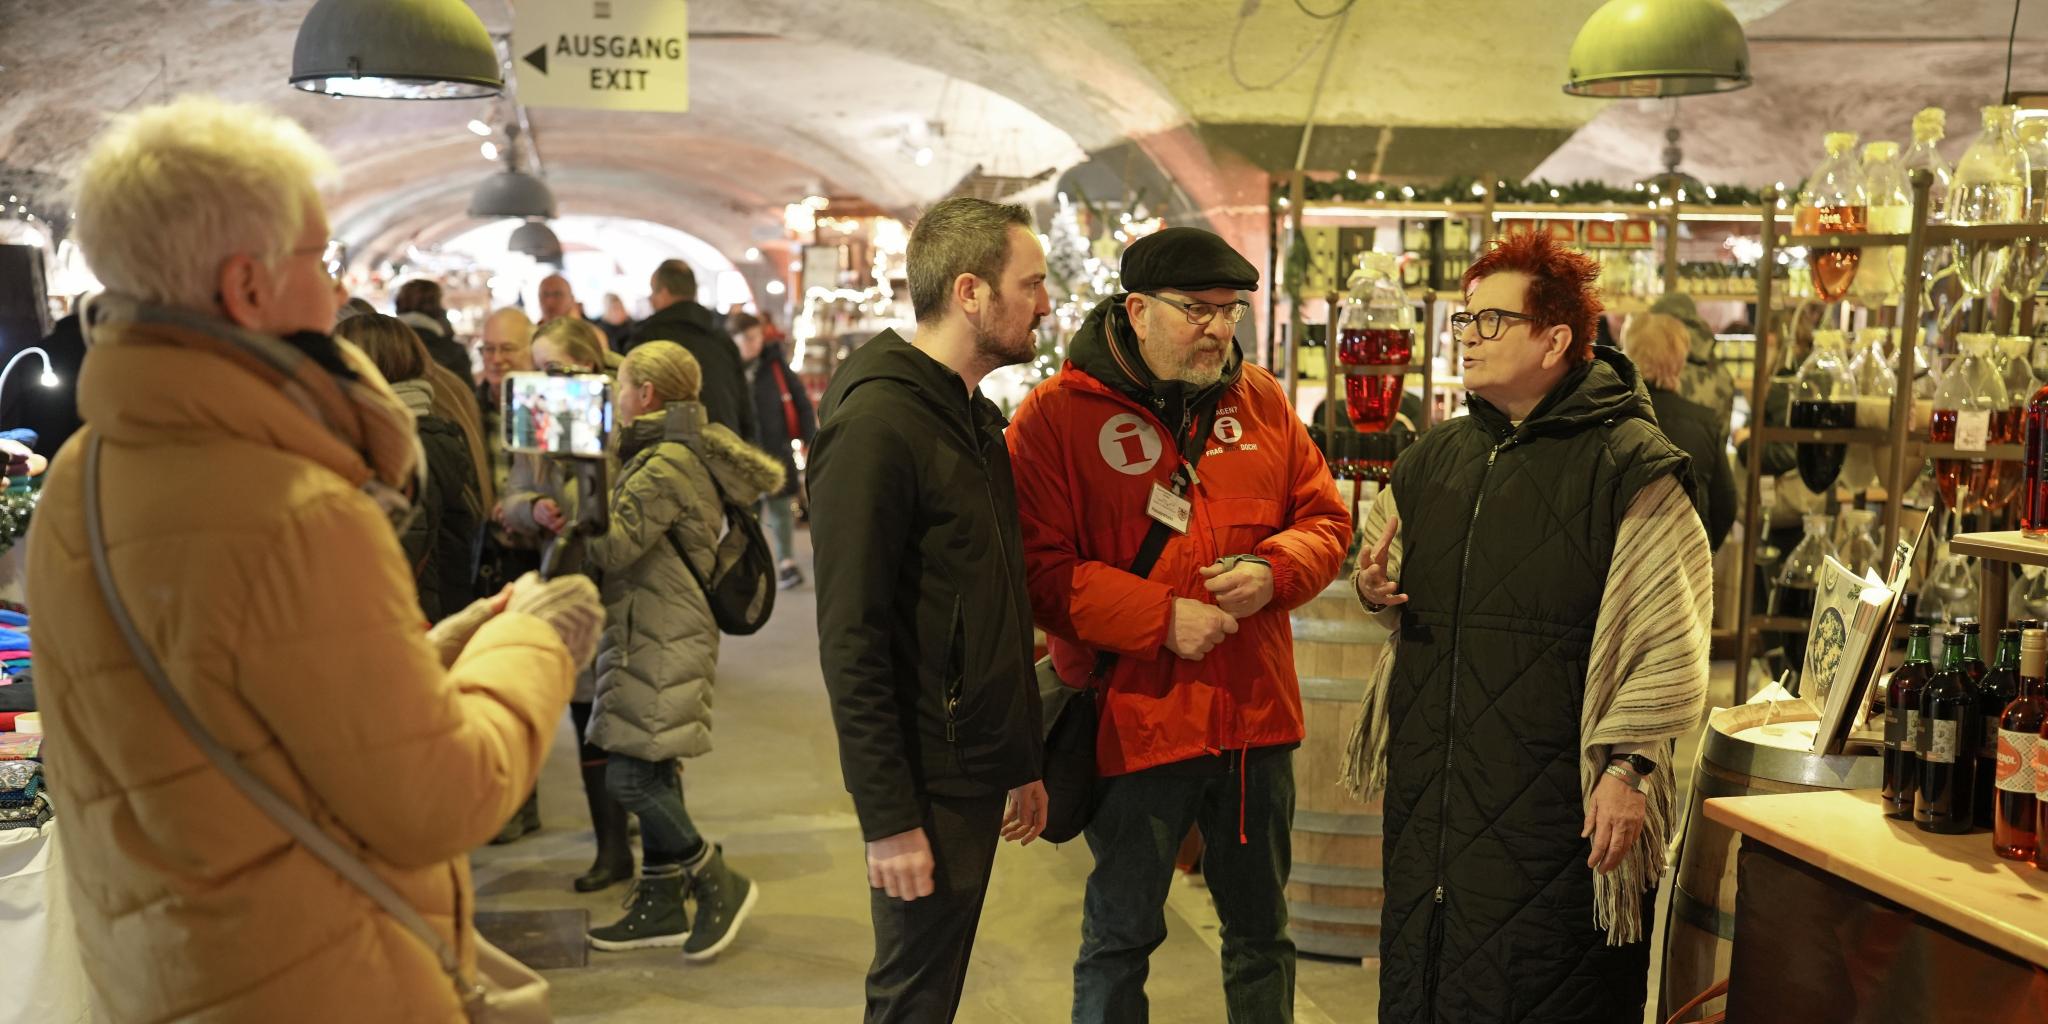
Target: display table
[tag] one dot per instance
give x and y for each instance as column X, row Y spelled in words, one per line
column 1844, row 915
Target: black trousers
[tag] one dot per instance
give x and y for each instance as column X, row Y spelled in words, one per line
column 922, row 946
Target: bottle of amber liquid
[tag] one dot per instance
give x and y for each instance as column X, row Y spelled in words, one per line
column 2000, row 687
column 1902, row 720
column 2015, row 826
column 1947, row 743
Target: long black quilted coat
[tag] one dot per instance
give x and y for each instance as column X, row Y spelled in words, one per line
column 1506, row 538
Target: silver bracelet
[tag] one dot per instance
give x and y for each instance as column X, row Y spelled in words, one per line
column 1633, row 780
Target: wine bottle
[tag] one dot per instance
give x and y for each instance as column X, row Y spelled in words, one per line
column 1902, row 718
column 1973, row 650
column 2015, row 827
column 1999, row 688
column 1947, row 743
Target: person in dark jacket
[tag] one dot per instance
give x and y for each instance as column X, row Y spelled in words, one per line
column 782, row 418
column 419, row 305
column 678, row 318
column 1704, row 381
column 1657, row 344
column 443, row 537
column 52, row 412
column 923, row 618
column 1550, row 625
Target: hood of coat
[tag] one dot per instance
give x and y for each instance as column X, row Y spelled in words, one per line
column 745, row 473
column 887, row 357
column 1106, row 348
column 154, row 374
column 1682, row 308
column 1605, row 390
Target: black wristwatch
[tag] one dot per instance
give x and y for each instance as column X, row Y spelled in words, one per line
column 1643, row 766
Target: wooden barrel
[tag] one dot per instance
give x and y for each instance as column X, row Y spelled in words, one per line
column 1334, row 894
column 1748, row 750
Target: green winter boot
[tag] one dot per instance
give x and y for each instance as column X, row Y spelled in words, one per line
column 655, row 915
column 724, row 899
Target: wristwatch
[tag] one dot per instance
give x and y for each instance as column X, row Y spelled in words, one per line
column 1642, row 765
column 1230, row 561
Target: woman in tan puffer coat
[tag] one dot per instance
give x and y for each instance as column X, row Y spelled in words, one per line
column 252, row 468
column 656, row 663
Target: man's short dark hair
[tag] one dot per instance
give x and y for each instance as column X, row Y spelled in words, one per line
column 676, row 278
column 958, row 236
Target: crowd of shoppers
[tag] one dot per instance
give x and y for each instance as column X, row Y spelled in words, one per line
column 1156, row 508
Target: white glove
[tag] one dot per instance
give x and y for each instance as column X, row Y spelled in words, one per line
column 568, row 603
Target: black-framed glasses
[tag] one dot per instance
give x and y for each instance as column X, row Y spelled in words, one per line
column 1201, row 314
column 1490, row 322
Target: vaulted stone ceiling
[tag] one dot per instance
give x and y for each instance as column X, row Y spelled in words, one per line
column 791, row 97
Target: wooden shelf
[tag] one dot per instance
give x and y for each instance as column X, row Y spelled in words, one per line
column 1993, row 453
column 2002, row 546
column 1852, row 241
column 1779, row 624
column 1956, row 880
column 1839, row 435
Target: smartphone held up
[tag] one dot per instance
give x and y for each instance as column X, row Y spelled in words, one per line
column 566, row 416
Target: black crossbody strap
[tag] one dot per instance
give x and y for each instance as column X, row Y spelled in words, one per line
column 1155, row 540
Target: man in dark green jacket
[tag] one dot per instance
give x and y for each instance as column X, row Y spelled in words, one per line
column 924, row 624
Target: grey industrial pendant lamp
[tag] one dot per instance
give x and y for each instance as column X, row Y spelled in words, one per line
column 1647, row 48
column 536, row 239
column 396, row 49
column 513, row 192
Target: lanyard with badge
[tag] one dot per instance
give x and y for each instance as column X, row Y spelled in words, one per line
column 1170, row 505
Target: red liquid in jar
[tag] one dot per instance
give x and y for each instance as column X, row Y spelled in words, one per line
column 1373, row 402
column 1834, row 270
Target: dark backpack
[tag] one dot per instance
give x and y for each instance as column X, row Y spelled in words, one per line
column 741, row 585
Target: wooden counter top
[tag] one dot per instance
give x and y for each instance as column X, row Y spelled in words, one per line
column 1956, row 880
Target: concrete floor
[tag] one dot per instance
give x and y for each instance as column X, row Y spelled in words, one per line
column 771, row 794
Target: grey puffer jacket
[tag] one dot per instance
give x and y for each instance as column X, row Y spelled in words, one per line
column 660, row 649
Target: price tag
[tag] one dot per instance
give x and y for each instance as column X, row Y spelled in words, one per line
column 1973, row 431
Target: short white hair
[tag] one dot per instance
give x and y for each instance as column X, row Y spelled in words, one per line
column 170, row 192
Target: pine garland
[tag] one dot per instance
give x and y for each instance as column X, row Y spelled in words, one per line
column 1460, row 190
column 17, row 504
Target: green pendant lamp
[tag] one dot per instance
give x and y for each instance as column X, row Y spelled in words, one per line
column 1648, row 48
column 396, row 49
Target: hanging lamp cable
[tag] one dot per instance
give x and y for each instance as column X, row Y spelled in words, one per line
column 2006, row 97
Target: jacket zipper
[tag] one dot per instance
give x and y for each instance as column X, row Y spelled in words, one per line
column 1451, row 718
column 956, row 682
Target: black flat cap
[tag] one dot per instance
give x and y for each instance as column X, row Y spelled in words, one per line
column 1186, row 259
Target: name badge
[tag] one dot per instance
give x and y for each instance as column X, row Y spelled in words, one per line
column 1170, row 508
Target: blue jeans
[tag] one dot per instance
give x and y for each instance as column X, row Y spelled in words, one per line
column 654, row 793
column 779, row 516
column 1135, row 836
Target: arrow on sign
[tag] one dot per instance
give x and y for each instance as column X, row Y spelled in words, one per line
column 539, row 58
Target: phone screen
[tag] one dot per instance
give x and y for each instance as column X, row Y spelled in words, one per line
column 547, row 414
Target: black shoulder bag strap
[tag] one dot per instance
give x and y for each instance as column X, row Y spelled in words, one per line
column 1149, row 550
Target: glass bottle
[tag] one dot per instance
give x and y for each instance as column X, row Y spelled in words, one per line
column 1929, row 127
column 2010, row 427
column 2030, row 256
column 1834, row 202
column 1947, row 745
column 2000, row 687
column 1793, row 590
column 1990, row 187
column 1973, row 650
column 1902, row 720
column 1879, row 279
column 2034, row 481
column 1823, row 396
column 1971, row 402
column 1377, row 328
column 2015, row 829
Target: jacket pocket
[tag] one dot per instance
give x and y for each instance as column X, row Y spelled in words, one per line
column 956, row 671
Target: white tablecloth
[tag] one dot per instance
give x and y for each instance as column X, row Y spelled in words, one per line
column 42, row 977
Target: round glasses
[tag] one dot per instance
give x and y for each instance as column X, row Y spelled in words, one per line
column 1489, row 321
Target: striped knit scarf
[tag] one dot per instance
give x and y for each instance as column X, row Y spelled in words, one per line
column 1646, row 682
column 360, row 409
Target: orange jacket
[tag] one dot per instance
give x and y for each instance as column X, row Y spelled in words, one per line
column 1085, row 458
